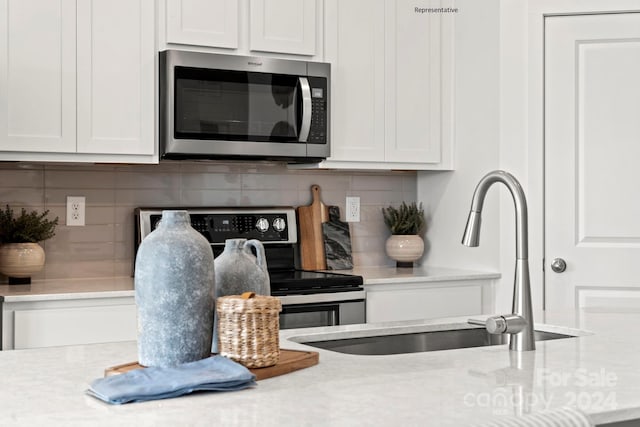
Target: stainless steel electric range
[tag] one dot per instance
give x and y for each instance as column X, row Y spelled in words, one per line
column 309, row 298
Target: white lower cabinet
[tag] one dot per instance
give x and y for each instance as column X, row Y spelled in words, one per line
column 427, row 300
column 49, row 323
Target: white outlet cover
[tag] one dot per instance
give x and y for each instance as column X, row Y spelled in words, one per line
column 352, row 209
column 76, row 210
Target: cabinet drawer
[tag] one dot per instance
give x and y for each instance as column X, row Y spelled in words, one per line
column 423, row 303
column 75, row 325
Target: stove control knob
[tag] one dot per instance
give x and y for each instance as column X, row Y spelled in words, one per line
column 262, row 225
column 279, row 224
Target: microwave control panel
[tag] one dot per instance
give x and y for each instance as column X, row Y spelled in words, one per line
column 319, row 99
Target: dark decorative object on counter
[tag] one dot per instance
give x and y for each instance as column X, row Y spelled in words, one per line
column 20, row 254
column 239, row 271
column 406, row 223
column 174, row 285
column 337, row 241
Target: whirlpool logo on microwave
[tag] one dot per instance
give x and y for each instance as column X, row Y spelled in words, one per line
column 256, row 63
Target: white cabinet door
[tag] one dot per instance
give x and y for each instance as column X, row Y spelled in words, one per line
column 212, row 23
column 392, row 76
column 355, row 47
column 417, row 82
column 284, row 26
column 116, row 76
column 37, row 76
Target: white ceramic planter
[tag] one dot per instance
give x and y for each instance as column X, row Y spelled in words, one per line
column 404, row 249
column 21, row 261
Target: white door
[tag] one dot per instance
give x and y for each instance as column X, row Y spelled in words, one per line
column 592, row 160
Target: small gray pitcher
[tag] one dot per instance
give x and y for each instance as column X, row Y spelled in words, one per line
column 237, row 270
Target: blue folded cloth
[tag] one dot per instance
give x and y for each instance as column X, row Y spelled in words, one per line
column 216, row 373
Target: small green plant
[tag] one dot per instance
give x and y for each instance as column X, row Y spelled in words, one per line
column 28, row 227
column 406, row 219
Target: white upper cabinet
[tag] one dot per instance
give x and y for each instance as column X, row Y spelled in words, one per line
column 283, row 28
column 77, row 80
column 287, row 26
column 37, row 76
column 419, row 79
column 211, row 23
column 354, row 42
column 392, row 76
column 116, row 74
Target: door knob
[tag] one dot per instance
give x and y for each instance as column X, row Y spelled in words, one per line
column 558, row 265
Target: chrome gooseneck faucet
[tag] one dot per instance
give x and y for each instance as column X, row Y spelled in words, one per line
column 519, row 324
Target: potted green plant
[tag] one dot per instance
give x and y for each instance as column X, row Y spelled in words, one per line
column 20, row 254
column 406, row 223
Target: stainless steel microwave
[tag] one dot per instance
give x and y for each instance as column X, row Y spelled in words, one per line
column 239, row 107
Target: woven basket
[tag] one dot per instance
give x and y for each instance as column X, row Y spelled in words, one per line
column 248, row 329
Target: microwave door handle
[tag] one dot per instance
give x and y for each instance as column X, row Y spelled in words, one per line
column 306, row 109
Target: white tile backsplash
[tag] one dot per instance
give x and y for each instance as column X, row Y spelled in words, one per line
column 21, row 197
column 23, row 178
column 78, row 179
column 205, row 197
column 93, row 196
column 104, row 247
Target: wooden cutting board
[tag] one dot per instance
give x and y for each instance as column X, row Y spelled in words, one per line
column 310, row 219
column 290, row 360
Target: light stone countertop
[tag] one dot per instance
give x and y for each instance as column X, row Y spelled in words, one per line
column 598, row 372
column 60, row 289
column 418, row 274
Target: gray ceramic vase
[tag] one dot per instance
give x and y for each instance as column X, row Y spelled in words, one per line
column 174, row 286
column 238, row 270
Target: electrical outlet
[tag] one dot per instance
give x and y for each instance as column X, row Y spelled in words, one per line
column 75, row 210
column 353, row 209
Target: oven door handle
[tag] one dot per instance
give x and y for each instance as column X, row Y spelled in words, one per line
column 305, row 126
column 334, row 317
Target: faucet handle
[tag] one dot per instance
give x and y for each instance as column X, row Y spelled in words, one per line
column 505, row 324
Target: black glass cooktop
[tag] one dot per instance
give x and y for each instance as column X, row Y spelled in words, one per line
column 287, row 282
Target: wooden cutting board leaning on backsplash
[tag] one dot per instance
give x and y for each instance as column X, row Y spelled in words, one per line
column 337, row 241
column 310, row 219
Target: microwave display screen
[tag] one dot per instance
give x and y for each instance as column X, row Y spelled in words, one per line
column 236, row 105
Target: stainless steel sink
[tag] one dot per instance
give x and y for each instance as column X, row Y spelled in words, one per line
column 420, row 341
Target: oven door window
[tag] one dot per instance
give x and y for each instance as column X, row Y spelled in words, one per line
column 309, row 316
column 236, row 105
